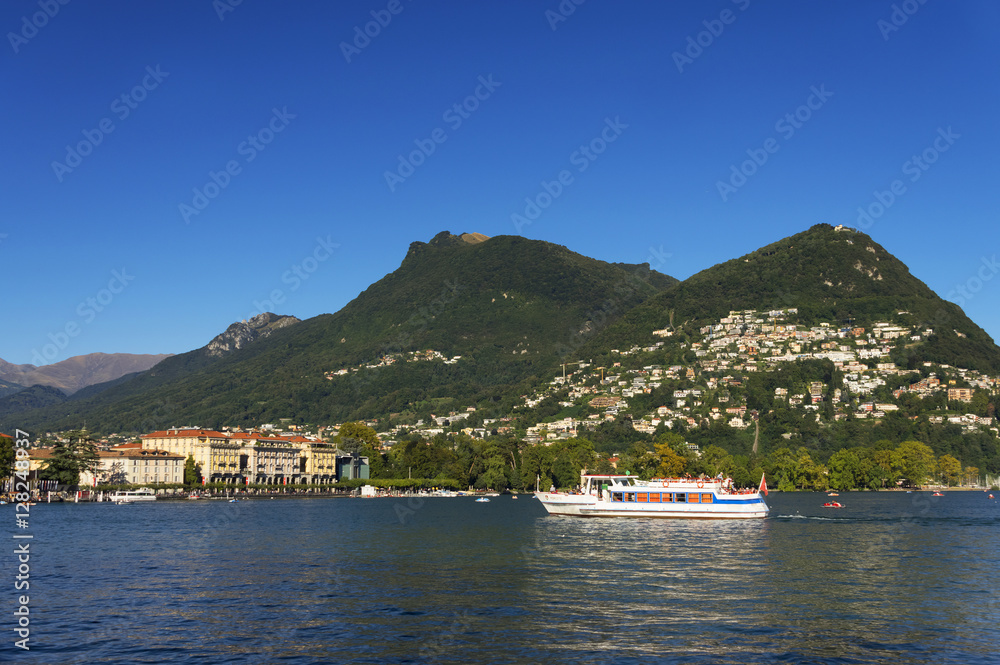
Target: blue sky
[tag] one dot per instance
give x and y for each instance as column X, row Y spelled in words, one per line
column 172, row 167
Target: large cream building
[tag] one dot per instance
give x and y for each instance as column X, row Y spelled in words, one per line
column 251, row 457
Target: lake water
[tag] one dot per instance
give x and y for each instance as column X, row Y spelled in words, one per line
column 891, row 577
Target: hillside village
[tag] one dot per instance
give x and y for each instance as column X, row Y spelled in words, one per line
column 746, row 342
column 706, row 388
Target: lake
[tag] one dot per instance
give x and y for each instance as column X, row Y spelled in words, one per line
column 891, row 577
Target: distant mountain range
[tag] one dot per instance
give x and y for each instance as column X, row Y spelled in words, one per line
column 74, row 373
column 468, row 320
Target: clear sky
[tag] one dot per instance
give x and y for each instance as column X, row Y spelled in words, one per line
column 169, row 167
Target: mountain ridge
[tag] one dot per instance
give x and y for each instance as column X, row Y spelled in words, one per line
column 506, row 305
column 829, row 273
column 76, row 372
column 462, row 323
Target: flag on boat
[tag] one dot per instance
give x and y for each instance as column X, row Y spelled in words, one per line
column 763, row 485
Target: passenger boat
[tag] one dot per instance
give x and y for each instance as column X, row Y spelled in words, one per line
column 132, row 496
column 628, row 496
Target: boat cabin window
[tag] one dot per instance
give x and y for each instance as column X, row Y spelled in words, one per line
column 630, row 496
column 616, row 496
column 706, row 498
column 680, row 497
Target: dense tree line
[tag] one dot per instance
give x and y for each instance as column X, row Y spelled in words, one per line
column 506, row 463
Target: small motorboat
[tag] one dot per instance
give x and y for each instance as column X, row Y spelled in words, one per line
column 937, row 494
column 833, row 504
column 833, row 494
column 482, row 499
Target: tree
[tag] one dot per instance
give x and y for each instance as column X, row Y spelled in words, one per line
column 6, row 456
column 571, row 457
column 808, row 474
column 536, row 466
column 980, row 403
column 844, row 468
column 971, row 475
column 70, row 458
column 671, row 464
column 358, row 439
column 887, row 465
column 358, row 431
column 713, row 461
column 117, row 474
column 640, row 460
column 916, row 461
column 192, row 472
column 950, row 469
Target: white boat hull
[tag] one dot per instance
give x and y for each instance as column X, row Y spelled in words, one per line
column 678, row 499
column 132, row 497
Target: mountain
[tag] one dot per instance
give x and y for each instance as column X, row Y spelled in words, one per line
column 78, row 372
column 827, row 274
column 464, row 318
column 468, row 320
column 242, row 333
column 35, row 397
column 8, row 388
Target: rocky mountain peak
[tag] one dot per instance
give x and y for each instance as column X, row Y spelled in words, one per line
column 242, row 333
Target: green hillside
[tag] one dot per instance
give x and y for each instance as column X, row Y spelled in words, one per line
column 512, row 308
column 35, row 397
column 828, row 275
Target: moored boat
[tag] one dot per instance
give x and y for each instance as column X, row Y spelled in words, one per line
column 628, row 496
column 132, row 496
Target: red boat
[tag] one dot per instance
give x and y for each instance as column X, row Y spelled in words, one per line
column 833, row 504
